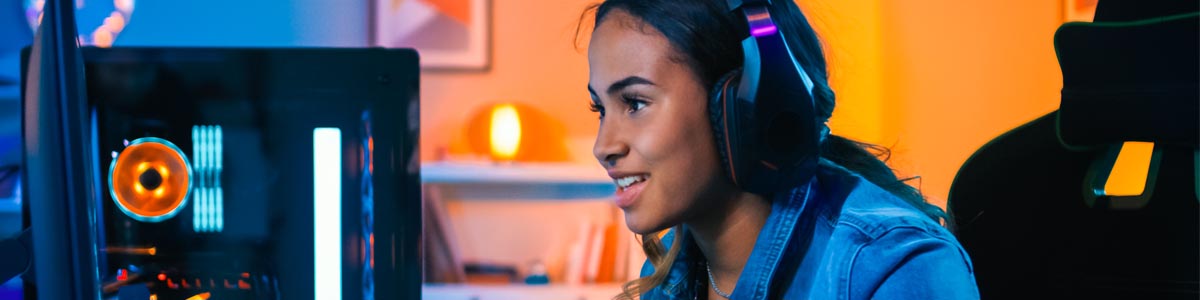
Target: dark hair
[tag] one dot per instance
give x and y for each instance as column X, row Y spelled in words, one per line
column 707, row 35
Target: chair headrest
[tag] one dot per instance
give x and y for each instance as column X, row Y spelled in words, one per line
column 1130, row 81
column 1133, row 10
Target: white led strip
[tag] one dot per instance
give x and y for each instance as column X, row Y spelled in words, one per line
column 327, row 213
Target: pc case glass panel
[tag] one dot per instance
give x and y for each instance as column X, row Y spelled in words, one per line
column 256, row 174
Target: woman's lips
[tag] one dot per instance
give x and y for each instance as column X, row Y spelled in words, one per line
column 628, row 195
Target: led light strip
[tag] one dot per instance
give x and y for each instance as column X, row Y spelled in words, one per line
column 327, row 213
column 208, row 213
column 216, row 183
column 198, row 168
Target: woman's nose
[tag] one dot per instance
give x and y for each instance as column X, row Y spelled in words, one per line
column 609, row 147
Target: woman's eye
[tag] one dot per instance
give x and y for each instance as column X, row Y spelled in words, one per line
column 634, row 104
column 597, row 108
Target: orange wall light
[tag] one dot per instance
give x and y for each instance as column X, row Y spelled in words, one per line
column 508, row 132
column 505, row 137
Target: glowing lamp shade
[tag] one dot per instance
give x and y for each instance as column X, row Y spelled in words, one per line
column 505, row 137
column 512, row 132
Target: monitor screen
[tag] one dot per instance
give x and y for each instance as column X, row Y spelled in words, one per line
column 256, row 173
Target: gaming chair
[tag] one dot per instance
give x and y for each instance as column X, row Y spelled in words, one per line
column 1029, row 206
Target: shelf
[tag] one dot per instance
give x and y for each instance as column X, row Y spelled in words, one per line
column 516, row 173
column 603, row 291
column 519, row 180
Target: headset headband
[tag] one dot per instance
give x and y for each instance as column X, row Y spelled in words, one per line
column 770, row 130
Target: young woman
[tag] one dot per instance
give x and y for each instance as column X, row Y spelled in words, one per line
column 852, row 232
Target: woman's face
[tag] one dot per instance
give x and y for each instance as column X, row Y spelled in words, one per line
column 655, row 139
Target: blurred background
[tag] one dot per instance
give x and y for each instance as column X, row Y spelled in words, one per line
column 931, row 79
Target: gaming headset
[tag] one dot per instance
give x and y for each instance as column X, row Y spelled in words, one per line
column 763, row 113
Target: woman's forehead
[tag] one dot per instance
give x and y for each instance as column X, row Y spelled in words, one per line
column 619, row 48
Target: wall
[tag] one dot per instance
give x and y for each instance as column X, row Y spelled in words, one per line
column 534, row 61
column 852, row 35
column 959, row 73
column 936, row 79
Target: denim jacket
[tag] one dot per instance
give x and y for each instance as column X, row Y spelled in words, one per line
column 837, row 237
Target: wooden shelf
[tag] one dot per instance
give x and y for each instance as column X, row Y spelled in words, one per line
column 603, row 291
column 528, row 181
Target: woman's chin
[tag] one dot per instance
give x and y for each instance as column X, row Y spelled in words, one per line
column 640, row 225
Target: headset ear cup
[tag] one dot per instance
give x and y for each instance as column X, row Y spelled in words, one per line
column 723, row 92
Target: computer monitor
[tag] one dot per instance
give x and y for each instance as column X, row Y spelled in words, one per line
column 256, row 173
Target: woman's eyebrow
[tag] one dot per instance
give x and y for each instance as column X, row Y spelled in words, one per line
column 622, row 84
column 628, row 81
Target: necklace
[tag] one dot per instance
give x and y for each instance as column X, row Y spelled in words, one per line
column 713, row 283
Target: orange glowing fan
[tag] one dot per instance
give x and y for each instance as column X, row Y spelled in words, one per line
column 150, row 180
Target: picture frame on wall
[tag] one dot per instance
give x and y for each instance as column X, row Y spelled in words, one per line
column 1079, row 10
column 448, row 34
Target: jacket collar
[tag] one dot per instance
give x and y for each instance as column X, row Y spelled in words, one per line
column 682, row 282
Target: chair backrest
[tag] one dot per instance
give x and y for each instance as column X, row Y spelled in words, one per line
column 1025, row 204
